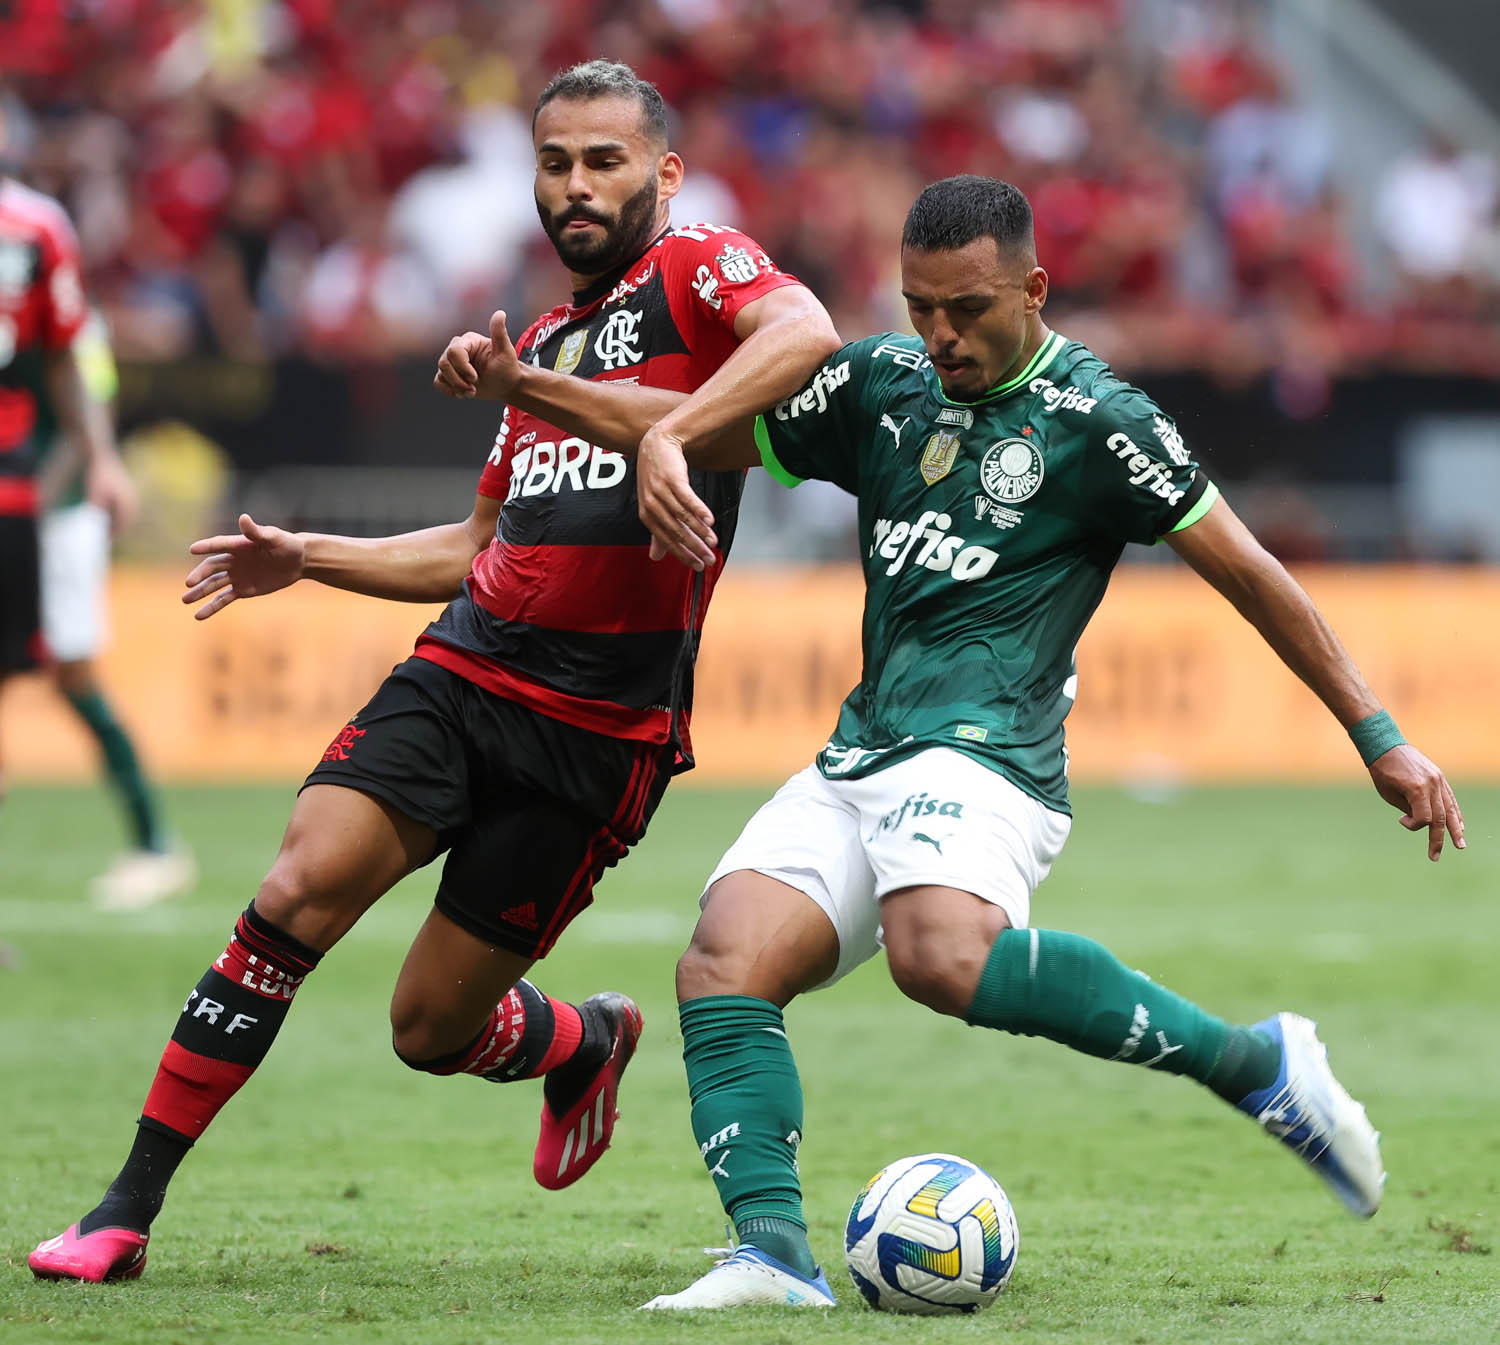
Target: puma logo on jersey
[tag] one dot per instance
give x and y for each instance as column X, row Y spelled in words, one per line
column 934, row 546
column 547, row 466
column 886, row 423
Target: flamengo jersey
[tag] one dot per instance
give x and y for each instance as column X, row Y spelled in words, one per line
column 41, row 310
column 565, row 612
column 988, row 531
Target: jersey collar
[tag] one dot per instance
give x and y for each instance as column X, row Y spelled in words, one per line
column 584, row 297
column 1046, row 353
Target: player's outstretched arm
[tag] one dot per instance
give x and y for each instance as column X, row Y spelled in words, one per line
column 424, row 566
column 1221, row 549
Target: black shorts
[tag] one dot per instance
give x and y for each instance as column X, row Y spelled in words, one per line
column 530, row 810
column 21, row 644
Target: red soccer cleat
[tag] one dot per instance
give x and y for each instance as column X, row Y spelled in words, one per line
column 104, row 1254
column 576, row 1132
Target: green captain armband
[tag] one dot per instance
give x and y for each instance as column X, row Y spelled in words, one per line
column 1375, row 735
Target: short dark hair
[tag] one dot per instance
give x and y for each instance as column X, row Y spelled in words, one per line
column 954, row 212
column 608, row 79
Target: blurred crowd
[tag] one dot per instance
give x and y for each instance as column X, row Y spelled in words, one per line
column 351, row 179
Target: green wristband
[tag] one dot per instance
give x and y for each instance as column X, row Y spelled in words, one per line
column 1375, row 735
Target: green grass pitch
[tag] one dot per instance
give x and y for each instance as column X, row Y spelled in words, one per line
column 343, row 1198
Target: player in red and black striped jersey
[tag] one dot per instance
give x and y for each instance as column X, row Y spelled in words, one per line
column 565, row 611
column 534, row 730
column 42, row 309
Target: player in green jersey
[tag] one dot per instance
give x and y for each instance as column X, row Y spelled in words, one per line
column 1000, row 470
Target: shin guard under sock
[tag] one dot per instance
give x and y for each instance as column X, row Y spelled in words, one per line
column 528, row 1034
column 1070, row 989
column 224, row 1031
column 747, row 1119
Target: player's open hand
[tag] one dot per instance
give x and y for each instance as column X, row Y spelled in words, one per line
column 1406, row 780
column 680, row 523
column 479, row 366
column 259, row 560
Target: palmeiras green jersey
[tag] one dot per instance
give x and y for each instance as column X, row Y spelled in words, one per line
column 987, row 532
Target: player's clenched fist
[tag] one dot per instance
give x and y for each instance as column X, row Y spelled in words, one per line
column 473, row 365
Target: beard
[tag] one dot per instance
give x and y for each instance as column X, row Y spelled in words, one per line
column 622, row 238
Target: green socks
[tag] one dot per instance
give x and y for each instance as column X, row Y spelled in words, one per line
column 747, row 1098
column 747, row 1119
column 1069, row 989
column 124, row 770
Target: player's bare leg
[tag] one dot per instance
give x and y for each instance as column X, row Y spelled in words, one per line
column 758, row 944
column 342, row 851
column 462, row 1006
column 154, row 868
column 957, row 954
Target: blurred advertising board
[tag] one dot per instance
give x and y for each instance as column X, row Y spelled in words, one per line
column 1173, row 685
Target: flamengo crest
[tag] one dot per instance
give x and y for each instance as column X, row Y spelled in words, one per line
column 619, row 341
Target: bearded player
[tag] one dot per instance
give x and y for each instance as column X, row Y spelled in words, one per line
column 533, row 731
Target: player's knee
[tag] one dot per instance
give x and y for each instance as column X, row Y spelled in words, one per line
column 421, row 1039
column 936, row 972
column 709, row 968
column 284, row 893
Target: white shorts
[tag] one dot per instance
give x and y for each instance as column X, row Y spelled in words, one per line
column 937, row 818
column 75, row 572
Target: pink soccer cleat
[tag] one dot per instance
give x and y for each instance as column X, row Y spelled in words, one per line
column 577, row 1129
column 104, row 1254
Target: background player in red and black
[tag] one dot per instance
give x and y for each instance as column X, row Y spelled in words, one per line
column 42, row 309
column 532, row 734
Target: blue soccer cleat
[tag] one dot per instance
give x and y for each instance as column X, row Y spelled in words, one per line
column 1308, row 1110
column 748, row 1276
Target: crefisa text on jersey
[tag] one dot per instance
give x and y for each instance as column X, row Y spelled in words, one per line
column 1146, row 471
column 942, row 551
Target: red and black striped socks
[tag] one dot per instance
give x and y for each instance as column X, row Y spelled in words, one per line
column 528, row 1034
column 224, row 1031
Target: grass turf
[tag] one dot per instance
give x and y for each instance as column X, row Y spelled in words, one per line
column 343, row 1198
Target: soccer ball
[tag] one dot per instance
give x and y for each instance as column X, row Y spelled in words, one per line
column 931, row 1234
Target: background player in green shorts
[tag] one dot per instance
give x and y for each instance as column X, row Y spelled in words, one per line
column 1000, row 469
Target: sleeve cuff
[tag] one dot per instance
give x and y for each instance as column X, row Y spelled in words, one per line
column 768, row 457
column 1197, row 508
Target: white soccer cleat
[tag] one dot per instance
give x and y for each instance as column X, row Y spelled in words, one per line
column 746, row 1277
column 141, row 878
column 1311, row 1112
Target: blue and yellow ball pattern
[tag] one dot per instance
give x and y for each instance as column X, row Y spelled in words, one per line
column 933, row 1233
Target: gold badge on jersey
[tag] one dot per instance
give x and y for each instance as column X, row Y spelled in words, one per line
column 572, row 350
column 938, row 457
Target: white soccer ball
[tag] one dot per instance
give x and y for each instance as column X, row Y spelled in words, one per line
column 931, row 1234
